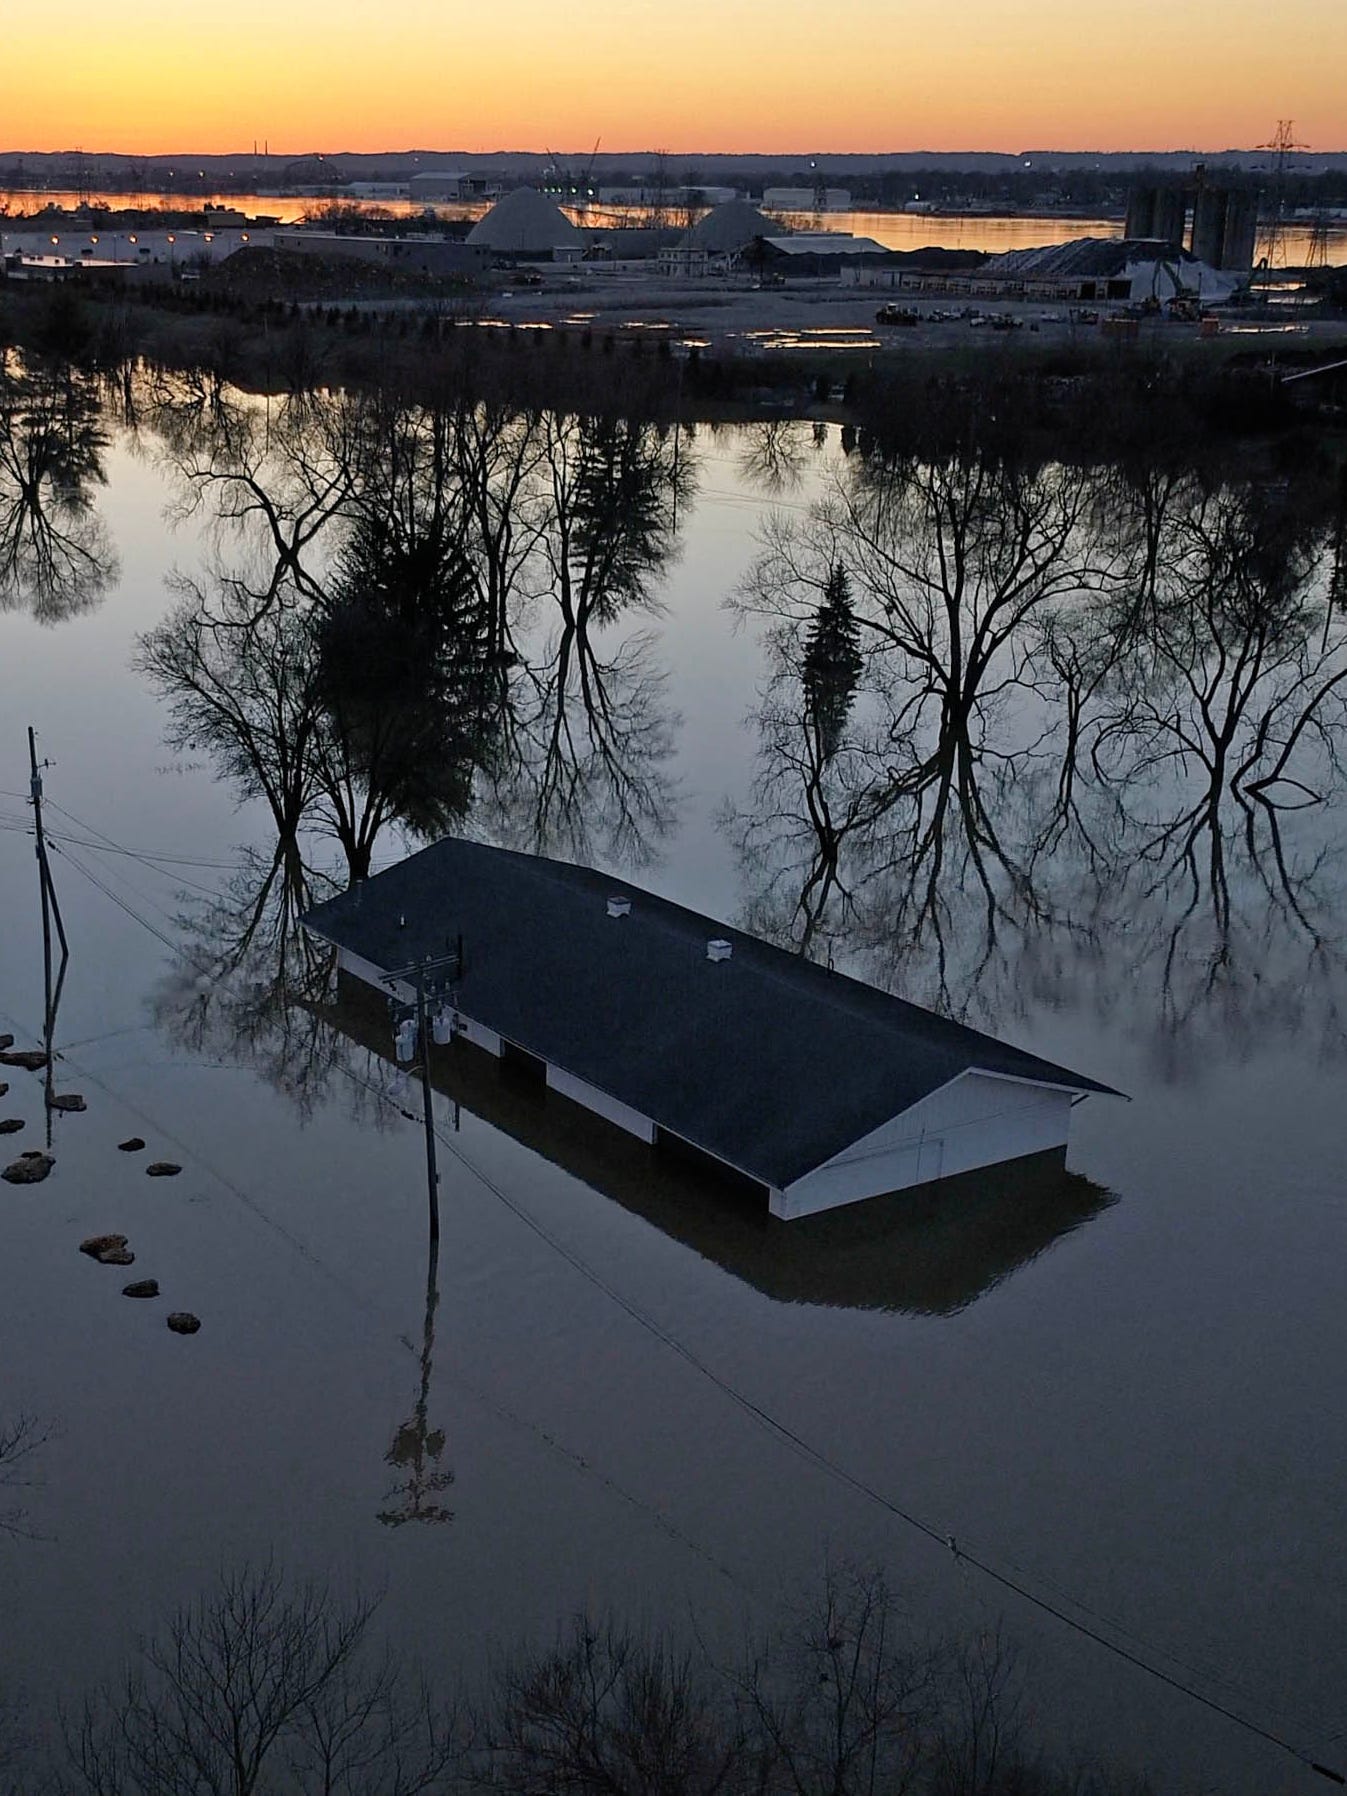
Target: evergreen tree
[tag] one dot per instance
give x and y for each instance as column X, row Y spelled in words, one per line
column 832, row 664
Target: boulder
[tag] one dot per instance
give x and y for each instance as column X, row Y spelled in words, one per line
column 3, row 1088
column 143, row 1287
column 10, row 1125
column 6, row 1041
column 69, row 1100
column 131, row 1146
column 32, row 1060
column 116, row 1256
column 28, row 1169
column 183, row 1322
column 94, row 1245
column 162, row 1169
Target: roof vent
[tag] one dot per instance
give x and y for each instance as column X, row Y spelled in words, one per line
column 619, row 907
column 716, row 949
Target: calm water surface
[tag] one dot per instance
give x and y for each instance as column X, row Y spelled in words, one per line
column 1132, row 1399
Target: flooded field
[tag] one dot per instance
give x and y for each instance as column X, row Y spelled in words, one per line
column 1059, row 753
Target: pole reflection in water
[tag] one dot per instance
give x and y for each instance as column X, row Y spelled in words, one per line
column 418, row 1449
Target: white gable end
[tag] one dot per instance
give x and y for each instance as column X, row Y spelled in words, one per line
column 978, row 1119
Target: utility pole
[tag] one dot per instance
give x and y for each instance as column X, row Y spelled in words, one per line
column 443, row 970
column 432, row 1169
column 43, row 877
column 51, row 909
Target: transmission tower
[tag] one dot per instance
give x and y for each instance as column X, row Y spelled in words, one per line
column 1317, row 254
column 1283, row 144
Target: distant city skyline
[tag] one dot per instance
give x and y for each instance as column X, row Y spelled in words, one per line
column 153, row 78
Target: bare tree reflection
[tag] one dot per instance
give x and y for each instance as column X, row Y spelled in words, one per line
column 1092, row 742
column 589, row 734
column 776, row 455
column 1216, row 751
column 953, row 567
column 21, row 1436
column 56, row 557
column 414, row 618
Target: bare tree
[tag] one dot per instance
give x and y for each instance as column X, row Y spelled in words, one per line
column 263, row 1685
column 847, row 1702
column 608, row 1713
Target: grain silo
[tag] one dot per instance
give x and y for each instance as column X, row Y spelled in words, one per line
column 1167, row 217
column 1209, row 212
column 1241, row 231
column 1141, row 202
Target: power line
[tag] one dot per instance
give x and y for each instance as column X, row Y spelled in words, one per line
column 824, row 1462
column 552, row 1442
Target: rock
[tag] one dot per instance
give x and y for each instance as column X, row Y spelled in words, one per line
column 32, row 1060
column 94, row 1245
column 10, row 1125
column 69, row 1100
column 133, row 1146
column 183, row 1322
column 6, row 1041
column 28, row 1169
column 116, row 1256
column 3, row 1088
column 143, row 1287
column 162, row 1169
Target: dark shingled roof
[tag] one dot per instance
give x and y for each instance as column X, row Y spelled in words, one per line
column 1098, row 258
column 765, row 1060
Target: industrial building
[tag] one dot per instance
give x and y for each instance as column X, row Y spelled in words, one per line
column 806, row 199
column 436, row 256
column 803, row 253
column 136, row 248
column 1092, row 269
column 452, row 184
column 647, row 194
column 528, row 226
column 815, row 1089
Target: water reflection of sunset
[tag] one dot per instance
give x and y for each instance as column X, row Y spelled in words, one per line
column 156, row 78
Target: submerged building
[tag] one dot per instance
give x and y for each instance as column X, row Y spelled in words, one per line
column 817, row 1089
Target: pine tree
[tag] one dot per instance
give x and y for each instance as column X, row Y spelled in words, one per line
column 832, row 664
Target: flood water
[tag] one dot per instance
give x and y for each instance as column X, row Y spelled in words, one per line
column 1065, row 762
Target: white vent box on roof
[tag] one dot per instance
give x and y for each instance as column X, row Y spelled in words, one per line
column 619, row 907
column 716, row 949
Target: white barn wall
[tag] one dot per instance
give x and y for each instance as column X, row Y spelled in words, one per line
column 581, row 1092
column 978, row 1119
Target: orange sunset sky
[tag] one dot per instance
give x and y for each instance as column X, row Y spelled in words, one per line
column 166, row 75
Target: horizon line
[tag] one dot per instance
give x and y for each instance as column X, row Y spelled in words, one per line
column 245, row 154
